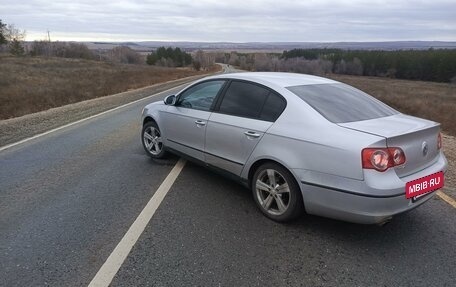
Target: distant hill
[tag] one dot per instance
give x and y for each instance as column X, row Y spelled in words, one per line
column 276, row 46
column 395, row 45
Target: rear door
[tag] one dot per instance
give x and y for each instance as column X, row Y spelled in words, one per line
column 185, row 122
column 239, row 121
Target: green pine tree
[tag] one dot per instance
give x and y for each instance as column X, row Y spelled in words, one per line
column 16, row 48
column 2, row 33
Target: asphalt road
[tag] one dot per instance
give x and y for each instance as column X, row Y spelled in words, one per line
column 67, row 199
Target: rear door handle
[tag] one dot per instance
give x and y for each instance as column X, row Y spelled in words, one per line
column 252, row 134
column 200, row 123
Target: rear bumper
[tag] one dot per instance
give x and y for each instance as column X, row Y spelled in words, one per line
column 372, row 200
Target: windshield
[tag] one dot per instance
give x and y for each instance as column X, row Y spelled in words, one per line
column 340, row 103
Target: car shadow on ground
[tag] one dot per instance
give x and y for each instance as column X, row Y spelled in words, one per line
column 404, row 224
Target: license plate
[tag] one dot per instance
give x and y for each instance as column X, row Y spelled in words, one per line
column 421, row 186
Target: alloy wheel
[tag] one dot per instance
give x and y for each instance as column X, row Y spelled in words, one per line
column 152, row 140
column 273, row 192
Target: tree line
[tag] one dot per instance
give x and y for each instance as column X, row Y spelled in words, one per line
column 175, row 57
column 437, row 65
column 12, row 41
column 169, row 57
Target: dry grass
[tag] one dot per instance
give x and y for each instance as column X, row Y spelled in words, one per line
column 29, row 85
column 429, row 100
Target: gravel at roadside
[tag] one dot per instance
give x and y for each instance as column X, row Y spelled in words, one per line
column 449, row 148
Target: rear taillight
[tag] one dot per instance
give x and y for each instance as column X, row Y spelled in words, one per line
column 439, row 141
column 382, row 158
column 398, row 156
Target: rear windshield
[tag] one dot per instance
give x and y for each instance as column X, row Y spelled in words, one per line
column 340, row 103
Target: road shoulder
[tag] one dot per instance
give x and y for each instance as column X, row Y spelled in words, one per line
column 16, row 129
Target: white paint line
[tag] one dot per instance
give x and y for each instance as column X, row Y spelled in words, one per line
column 83, row 120
column 109, row 269
column 446, row 198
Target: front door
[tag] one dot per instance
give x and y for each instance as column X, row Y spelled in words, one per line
column 185, row 123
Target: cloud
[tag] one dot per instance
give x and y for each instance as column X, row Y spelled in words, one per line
column 236, row 21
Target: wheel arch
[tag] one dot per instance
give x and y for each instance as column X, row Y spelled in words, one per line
column 262, row 161
column 148, row 119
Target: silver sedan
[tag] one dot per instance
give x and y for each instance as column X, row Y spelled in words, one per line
column 302, row 143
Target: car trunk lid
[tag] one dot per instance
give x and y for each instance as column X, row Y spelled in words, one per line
column 418, row 138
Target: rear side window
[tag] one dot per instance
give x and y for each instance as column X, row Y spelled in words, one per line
column 340, row 103
column 244, row 99
column 251, row 101
column 273, row 107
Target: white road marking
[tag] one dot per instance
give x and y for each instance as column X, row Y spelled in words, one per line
column 109, row 269
column 83, row 120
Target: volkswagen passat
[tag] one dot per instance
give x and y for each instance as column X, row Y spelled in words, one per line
column 302, row 143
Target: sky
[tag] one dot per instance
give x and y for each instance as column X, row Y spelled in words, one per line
column 233, row 20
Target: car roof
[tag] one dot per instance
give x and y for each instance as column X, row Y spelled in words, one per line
column 278, row 79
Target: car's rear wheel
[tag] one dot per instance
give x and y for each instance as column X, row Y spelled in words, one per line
column 276, row 193
column 152, row 140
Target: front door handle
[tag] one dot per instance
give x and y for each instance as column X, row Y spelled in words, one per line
column 252, row 134
column 200, row 123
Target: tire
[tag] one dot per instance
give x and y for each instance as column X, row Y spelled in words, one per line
column 282, row 201
column 152, row 141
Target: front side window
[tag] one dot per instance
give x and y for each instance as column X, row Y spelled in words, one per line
column 201, row 96
column 340, row 103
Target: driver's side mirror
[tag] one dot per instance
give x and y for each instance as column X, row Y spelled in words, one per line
column 170, row 100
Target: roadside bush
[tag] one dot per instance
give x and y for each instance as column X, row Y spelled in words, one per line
column 125, row 55
column 16, row 48
column 61, row 49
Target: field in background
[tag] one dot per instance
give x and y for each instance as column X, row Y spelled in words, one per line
column 429, row 100
column 32, row 84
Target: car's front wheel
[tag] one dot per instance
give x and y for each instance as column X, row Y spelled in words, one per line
column 152, row 140
column 276, row 193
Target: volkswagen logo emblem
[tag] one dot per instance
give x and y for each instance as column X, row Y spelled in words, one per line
column 424, row 148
